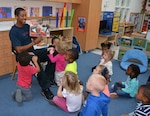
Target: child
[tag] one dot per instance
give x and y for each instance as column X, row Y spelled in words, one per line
column 71, row 56
column 25, row 72
column 69, row 94
column 96, row 102
column 55, row 40
column 130, row 87
column 143, row 108
column 105, row 46
column 59, row 59
column 101, row 69
column 107, row 61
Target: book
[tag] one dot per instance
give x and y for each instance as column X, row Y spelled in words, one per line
column 38, row 28
column 47, row 11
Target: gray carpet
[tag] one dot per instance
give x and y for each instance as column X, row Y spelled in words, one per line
column 38, row 106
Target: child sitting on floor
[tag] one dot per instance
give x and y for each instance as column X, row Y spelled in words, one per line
column 107, row 61
column 143, row 108
column 25, row 72
column 96, row 102
column 101, row 69
column 105, row 46
column 69, row 93
column 59, row 59
column 128, row 88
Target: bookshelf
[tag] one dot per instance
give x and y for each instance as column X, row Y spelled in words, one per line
column 65, row 35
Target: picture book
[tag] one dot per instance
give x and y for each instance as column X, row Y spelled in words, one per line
column 34, row 11
column 47, row 11
column 38, row 28
column 5, row 12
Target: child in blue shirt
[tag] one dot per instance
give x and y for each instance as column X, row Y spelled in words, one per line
column 96, row 102
column 130, row 86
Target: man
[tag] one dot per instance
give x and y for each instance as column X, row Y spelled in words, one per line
column 21, row 41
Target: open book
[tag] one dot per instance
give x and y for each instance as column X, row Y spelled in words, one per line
column 38, row 28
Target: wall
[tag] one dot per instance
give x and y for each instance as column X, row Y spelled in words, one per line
column 13, row 3
column 108, row 5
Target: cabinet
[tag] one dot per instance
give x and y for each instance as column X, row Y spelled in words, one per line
column 65, row 35
column 90, row 10
column 126, row 29
column 6, row 58
column 122, row 7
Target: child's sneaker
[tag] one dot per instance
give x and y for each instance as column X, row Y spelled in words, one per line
column 18, row 96
column 112, row 86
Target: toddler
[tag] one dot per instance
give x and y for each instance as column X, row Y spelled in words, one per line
column 59, row 59
column 143, row 108
column 107, row 61
column 105, row 46
column 130, row 87
column 101, row 69
column 55, row 40
column 96, row 102
column 71, row 56
column 25, row 72
column 69, row 93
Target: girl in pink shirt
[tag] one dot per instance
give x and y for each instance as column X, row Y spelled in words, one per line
column 59, row 59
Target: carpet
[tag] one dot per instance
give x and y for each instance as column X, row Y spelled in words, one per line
column 38, row 106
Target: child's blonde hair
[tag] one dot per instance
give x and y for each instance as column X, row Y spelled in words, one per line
column 110, row 54
column 62, row 48
column 70, row 83
column 103, row 71
column 98, row 82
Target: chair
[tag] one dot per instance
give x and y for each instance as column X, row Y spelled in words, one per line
column 135, row 56
column 114, row 40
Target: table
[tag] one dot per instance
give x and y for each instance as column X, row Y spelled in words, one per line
column 105, row 37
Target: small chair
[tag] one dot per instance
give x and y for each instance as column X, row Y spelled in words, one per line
column 114, row 40
column 135, row 56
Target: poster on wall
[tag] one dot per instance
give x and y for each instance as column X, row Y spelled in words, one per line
column 81, row 24
column 5, row 12
column 34, row 11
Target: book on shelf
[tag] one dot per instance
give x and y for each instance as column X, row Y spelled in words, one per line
column 38, row 28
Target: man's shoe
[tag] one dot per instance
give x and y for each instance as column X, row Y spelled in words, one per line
column 18, row 96
column 53, row 84
column 47, row 94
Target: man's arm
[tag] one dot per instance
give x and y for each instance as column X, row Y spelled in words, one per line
column 20, row 49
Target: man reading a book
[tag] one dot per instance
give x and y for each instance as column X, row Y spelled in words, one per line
column 21, row 41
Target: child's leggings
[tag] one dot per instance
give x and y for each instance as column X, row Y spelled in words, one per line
column 60, row 102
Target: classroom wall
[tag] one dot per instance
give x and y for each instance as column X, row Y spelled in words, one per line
column 6, row 25
column 108, row 5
